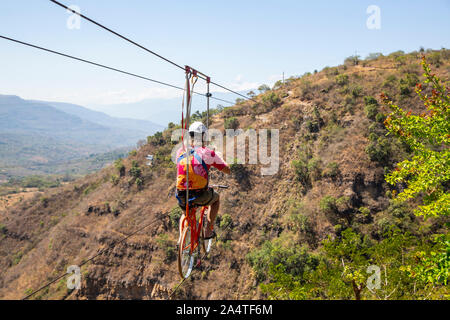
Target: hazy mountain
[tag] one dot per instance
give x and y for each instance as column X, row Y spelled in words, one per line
column 162, row 111
column 36, row 137
column 135, row 126
column 70, row 121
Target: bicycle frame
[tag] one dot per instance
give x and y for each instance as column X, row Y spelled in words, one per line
column 196, row 229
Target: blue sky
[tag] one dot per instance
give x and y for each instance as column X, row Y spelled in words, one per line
column 241, row 44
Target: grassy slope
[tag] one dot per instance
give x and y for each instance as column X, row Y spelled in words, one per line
column 42, row 236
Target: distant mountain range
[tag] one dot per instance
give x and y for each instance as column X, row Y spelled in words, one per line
column 163, row 111
column 42, row 137
column 35, row 134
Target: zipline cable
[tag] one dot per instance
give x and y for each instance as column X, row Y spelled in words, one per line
column 142, row 47
column 105, row 67
column 115, row 33
column 90, row 259
column 184, row 279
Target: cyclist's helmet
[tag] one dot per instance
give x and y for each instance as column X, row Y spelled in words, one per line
column 197, row 127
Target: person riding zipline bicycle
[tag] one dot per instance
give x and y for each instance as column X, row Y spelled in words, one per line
column 200, row 161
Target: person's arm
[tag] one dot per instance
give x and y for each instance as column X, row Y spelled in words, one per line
column 219, row 163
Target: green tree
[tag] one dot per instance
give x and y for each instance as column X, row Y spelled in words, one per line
column 231, row 123
column 263, row 88
column 427, row 174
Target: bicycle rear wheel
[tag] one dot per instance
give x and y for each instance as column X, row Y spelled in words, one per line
column 185, row 256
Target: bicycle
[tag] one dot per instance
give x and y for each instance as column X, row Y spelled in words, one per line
column 193, row 234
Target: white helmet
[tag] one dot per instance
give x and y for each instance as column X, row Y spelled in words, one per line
column 197, row 127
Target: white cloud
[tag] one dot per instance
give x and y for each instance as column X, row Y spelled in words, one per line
column 238, row 85
column 94, row 97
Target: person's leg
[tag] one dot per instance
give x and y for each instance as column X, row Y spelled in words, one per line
column 180, row 224
column 213, row 210
column 212, row 215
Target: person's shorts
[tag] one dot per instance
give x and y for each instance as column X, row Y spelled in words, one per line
column 204, row 197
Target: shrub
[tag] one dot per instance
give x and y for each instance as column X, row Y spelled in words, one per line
column 435, row 59
column 396, row 54
column 17, row 257
column 301, row 223
column 45, row 200
column 174, row 216
column 363, row 214
column 139, row 182
column 371, row 107
column 341, row 79
column 157, row 139
column 301, row 170
column 304, row 88
column 328, row 204
column 231, row 123
column 357, row 91
column 312, row 126
column 349, row 100
column 271, row 99
column 118, row 164
column 263, row 88
column 390, row 81
column 296, row 260
column 408, row 82
column 371, row 111
column 168, row 247
column 379, row 150
column 135, row 171
column 373, row 56
column 370, row 100
column 352, row 60
column 114, row 179
column 331, row 170
column 401, row 60
column 380, row 117
column 315, row 168
column 225, row 221
column 132, row 153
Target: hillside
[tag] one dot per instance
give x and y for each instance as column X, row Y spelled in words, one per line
column 334, row 153
column 37, row 138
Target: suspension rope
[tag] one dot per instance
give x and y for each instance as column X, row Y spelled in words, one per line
column 184, row 279
column 192, row 77
column 208, row 95
column 90, row 259
column 201, row 258
column 105, row 67
column 115, row 33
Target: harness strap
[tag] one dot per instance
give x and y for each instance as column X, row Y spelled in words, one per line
column 189, row 201
column 196, row 156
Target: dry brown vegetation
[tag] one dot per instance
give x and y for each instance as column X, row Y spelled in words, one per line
column 324, row 131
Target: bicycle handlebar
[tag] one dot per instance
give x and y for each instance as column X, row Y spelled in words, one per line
column 219, row 186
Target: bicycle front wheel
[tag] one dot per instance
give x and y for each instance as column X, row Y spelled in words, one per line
column 185, row 255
